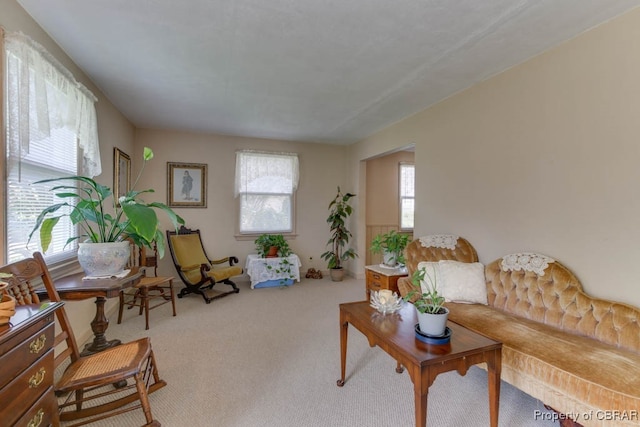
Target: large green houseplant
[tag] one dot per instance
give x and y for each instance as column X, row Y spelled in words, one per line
column 391, row 245
column 100, row 217
column 339, row 212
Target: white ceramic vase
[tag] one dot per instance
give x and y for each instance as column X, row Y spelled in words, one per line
column 103, row 259
column 433, row 324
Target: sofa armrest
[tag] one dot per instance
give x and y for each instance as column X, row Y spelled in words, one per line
column 406, row 286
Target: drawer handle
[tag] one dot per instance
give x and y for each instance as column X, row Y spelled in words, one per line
column 38, row 344
column 37, row 419
column 37, row 378
column 376, row 276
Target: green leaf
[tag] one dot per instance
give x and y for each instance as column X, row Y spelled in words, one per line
column 142, row 220
column 45, row 232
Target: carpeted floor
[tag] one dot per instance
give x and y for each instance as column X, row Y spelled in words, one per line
column 270, row 357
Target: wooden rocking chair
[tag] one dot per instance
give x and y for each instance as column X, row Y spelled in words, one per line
column 199, row 272
column 86, row 387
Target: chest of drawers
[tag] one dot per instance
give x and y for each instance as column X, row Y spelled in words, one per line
column 378, row 277
column 26, row 358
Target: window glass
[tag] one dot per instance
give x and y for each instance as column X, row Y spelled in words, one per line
column 265, row 186
column 52, row 157
column 407, row 195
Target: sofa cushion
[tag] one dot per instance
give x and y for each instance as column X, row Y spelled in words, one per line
column 463, row 282
column 555, row 366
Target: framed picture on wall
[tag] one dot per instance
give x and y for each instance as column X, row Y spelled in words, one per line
column 186, row 185
column 121, row 173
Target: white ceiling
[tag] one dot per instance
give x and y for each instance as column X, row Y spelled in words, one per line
column 307, row 70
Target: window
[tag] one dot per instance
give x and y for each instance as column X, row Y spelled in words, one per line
column 49, row 158
column 50, row 119
column 266, row 185
column 407, row 195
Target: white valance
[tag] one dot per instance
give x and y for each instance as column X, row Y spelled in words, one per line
column 266, row 172
column 47, row 97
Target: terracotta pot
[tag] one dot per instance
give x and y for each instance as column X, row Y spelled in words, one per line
column 273, row 252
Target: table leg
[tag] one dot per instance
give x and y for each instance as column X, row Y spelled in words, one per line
column 344, row 325
column 99, row 326
column 494, row 366
column 421, row 405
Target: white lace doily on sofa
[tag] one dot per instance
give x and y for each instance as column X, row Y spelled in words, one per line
column 446, row 241
column 526, row 261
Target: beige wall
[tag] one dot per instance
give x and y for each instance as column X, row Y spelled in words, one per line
column 113, row 130
column 322, row 169
column 383, row 188
column 544, row 157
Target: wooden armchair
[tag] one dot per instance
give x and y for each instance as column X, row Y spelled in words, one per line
column 86, row 387
column 199, row 272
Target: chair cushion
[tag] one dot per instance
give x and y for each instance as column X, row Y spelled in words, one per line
column 219, row 274
column 188, row 249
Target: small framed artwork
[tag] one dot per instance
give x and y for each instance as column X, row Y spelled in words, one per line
column 121, row 173
column 187, row 185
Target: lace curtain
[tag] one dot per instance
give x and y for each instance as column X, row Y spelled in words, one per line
column 264, row 172
column 47, row 97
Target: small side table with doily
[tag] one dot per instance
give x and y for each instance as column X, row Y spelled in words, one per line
column 380, row 277
column 270, row 272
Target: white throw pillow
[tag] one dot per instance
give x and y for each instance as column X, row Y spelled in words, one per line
column 432, row 269
column 462, row 282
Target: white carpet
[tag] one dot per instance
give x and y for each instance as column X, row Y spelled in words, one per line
column 270, row 357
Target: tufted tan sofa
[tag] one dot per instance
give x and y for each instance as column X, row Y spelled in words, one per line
column 577, row 354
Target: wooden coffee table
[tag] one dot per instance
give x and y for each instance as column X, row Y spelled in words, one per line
column 395, row 334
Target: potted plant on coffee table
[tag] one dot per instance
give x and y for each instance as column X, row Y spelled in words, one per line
column 104, row 221
column 339, row 212
column 391, row 245
column 432, row 314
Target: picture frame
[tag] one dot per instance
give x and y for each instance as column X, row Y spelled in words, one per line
column 121, row 173
column 186, row 185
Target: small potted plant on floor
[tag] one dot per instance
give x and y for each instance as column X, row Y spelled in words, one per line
column 391, row 245
column 432, row 314
column 104, row 221
column 339, row 212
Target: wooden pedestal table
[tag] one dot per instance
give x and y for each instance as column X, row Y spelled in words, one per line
column 74, row 288
column 395, row 334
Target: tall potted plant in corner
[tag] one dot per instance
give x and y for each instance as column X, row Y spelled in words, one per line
column 104, row 222
column 391, row 245
column 339, row 212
